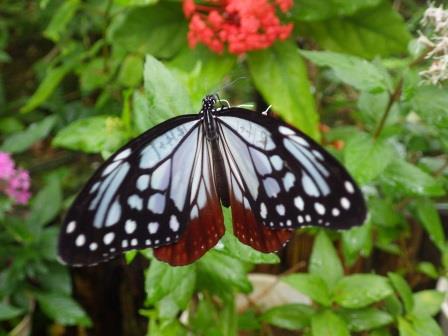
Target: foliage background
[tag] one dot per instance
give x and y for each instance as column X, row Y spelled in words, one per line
column 80, row 78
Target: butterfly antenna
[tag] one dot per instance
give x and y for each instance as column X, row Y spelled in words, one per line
column 266, row 112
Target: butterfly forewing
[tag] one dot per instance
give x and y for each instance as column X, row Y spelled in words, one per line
column 287, row 179
column 140, row 197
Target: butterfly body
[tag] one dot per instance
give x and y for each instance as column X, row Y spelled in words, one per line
column 165, row 189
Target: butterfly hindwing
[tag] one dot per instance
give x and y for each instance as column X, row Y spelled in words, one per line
column 139, row 198
column 286, row 178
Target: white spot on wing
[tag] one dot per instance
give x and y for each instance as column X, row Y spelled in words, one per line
column 123, row 155
column 174, row 223
column 114, row 214
column 161, row 176
column 153, row 227
column 111, row 167
column 263, row 210
column 194, row 212
column 349, row 187
column 156, row 203
column 80, row 240
column 108, row 238
column 130, row 226
column 286, row 131
column 320, row 208
column 280, row 209
column 135, row 202
column 345, row 203
column 277, row 162
column 298, row 202
column 261, row 162
column 93, row 246
column 271, row 187
column 288, row 180
column 70, row 227
column 309, row 186
column 335, row 212
column 143, row 182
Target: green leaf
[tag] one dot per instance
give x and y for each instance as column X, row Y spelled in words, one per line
column 60, row 19
column 430, row 103
column 378, row 31
column 352, row 70
column 202, row 71
column 426, row 326
column 290, row 316
column 406, row 328
column 311, row 10
column 365, row 319
column 21, row 141
column 328, row 323
column 94, row 75
column 63, row 309
column 310, row 285
column 248, row 320
column 159, row 30
column 135, row 2
column 357, row 242
column 163, row 280
column 93, row 135
column 8, row 312
column 361, row 290
column 164, row 97
column 324, row 261
column 428, row 302
column 403, row 289
column 234, row 248
column 280, row 74
column 51, row 81
column 219, row 272
column 429, row 269
column 131, row 71
column 366, row 158
column 46, row 204
column 430, row 219
column 411, row 179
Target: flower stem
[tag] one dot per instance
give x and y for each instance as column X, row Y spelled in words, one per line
column 394, row 97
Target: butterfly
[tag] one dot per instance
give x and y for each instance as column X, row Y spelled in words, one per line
column 164, row 189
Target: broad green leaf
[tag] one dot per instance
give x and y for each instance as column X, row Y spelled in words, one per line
column 365, row 319
column 60, row 19
column 328, row 323
column 164, row 97
column 405, row 328
column 311, row 285
column 8, row 312
column 93, row 135
column 131, row 71
column 311, row 10
column 366, row 158
column 382, row 212
column 21, row 141
column 430, row 103
column 403, row 289
column 428, row 268
column 57, row 279
column 411, row 179
column 357, row 242
column 280, row 74
column 426, row 326
column 380, row 332
column 236, row 249
column 372, row 107
column 46, row 247
column 430, row 219
column 220, row 273
column 10, row 125
column 371, row 32
column 202, row 71
column 324, row 261
column 94, row 75
column 361, row 290
column 159, row 30
column 393, row 305
column 163, row 280
column 46, row 204
column 290, row 316
column 51, row 81
column 352, row 70
column 248, row 320
column 63, row 309
column 428, row 302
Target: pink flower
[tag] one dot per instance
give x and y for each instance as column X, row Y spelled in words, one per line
column 15, row 183
column 239, row 25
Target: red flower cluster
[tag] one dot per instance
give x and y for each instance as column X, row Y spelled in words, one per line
column 242, row 25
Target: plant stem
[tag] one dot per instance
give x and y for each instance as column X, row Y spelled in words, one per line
column 395, row 96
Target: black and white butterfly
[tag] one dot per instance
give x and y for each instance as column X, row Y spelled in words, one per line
column 165, row 189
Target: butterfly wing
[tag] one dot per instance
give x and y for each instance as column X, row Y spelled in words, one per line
column 284, row 177
column 143, row 196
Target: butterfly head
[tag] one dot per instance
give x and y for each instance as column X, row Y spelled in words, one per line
column 208, row 103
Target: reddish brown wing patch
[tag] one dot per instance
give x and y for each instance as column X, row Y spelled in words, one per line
column 250, row 232
column 201, row 234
